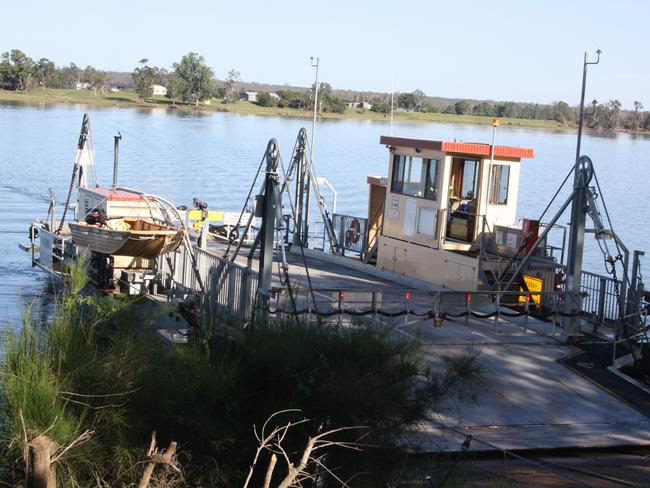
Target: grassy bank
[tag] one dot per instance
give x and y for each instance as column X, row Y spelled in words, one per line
column 130, row 99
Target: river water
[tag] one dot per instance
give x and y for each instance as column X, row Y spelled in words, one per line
column 181, row 155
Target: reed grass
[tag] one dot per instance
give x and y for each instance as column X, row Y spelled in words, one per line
column 97, row 367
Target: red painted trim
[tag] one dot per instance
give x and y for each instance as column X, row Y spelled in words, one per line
column 116, row 195
column 469, row 148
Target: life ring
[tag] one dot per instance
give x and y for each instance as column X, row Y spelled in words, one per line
column 354, row 232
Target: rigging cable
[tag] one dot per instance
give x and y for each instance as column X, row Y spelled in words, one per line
column 626, row 278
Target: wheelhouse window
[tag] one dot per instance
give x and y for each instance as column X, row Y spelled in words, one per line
column 499, row 182
column 415, row 177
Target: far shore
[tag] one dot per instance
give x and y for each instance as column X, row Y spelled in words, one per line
column 130, row 99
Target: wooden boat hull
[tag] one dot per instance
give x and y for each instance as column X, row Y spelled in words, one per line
column 145, row 240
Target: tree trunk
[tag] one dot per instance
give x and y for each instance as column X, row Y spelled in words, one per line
column 42, row 472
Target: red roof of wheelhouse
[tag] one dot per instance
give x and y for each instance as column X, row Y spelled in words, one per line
column 452, row 147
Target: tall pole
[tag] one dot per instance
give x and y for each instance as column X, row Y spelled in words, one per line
column 269, row 212
column 116, row 157
column 308, row 170
column 392, row 102
column 313, row 124
column 581, row 116
column 581, row 178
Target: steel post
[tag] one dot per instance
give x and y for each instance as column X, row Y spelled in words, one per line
column 269, row 213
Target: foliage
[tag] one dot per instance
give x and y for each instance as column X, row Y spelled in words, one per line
column 16, row 70
column 44, row 70
column 232, row 86
column 194, row 78
column 293, row 99
column 264, row 99
column 92, row 373
column 406, row 101
column 172, row 83
column 96, row 79
column 461, row 107
column 380, row 106
column 144, row 77
column 68, row 76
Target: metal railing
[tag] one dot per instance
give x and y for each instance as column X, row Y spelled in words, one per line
column 600, row 300
column 229, row 287
column 351, row 232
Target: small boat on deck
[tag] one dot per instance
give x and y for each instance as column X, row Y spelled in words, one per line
column 120, row 232
column 126, row 237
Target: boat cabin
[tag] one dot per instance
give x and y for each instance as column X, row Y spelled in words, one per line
column 438, row 200
column 116, row 203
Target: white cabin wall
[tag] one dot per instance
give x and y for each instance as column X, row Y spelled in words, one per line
column 501, row 214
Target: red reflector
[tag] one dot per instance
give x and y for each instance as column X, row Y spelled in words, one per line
column 469, row 297
column 408, row 295
column 341, row 295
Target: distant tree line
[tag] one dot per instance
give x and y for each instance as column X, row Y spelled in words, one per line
column 20, row 72
column 609, row 116
column 191, row 81
column 327, row 101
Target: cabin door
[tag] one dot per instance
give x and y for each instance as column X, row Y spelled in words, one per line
column 464, row 187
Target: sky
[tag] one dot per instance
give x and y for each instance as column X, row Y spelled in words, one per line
column 516, row 50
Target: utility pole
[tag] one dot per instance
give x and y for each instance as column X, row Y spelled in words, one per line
column 581, row 178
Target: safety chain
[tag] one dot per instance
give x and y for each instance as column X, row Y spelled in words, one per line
column 429, row 314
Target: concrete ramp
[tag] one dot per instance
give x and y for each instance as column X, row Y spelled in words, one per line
column 529, row 399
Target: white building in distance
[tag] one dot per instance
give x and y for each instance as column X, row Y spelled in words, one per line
column 158, row 90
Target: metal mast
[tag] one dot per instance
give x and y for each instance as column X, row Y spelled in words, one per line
column 271, row 212
column 581, row 178
column 305, row 235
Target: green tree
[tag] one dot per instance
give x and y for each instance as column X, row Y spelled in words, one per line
column 562, row 112
column 233, row 81
column 484, row 108
column 194, row 78
column 614, row 114
column 69, row 75
column 172, row 83
column 144, row 78
column 636, row 114
column 461, row 107
column 96, row 79
column 380, row 106
column 44, row 70
column 16, row 70
column 406, row 101
column 264, row 99
column 419, row 98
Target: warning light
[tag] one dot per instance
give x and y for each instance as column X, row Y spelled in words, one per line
column 495, row 122
column 341, row 295
column 408, row 295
